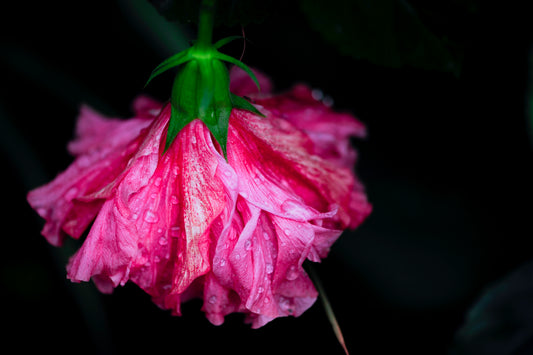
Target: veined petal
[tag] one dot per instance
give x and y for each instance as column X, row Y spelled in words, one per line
column 108, row 252
column 260, row 261
column 330, row 131
column 67, row 203
column 280, row 174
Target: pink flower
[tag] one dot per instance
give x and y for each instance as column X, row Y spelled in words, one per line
column 186, row 223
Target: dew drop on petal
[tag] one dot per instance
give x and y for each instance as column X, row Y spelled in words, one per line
column 266, row 236
column 150, row 217
column 157, row 181
column 193, row 140
column 174, row 199
column 71, row 193
column 174, row 231
column 134, row 216
column 291, row 207
column 269, row 268
column 212, row 299
column 157, row 259
column 248, row 245
column 317, row 94
column 163, row 241
column 292, row 273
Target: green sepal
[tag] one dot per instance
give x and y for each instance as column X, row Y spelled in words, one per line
column 171, row 62
column 182, row 101
column 240, row 64
column 201, row 90
column 243, row 104
column 222, row 42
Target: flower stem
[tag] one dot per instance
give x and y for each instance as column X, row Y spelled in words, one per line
column 327, row 307
column 205, row 24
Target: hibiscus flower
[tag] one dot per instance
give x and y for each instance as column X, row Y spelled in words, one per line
column 184, row 222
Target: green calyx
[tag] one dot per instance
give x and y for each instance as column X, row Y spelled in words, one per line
column 201, row 90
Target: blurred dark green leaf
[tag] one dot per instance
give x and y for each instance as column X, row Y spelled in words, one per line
column 501, row 322
column 228, row 12
column 384, row 32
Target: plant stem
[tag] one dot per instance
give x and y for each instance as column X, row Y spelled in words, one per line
column 205, row 24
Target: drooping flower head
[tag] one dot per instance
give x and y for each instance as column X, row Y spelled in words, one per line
column 188, row 206
column 186, row 223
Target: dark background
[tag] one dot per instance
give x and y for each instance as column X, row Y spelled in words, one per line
column 447, row 166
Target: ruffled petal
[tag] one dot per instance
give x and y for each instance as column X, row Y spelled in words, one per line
column 260, row 261
column 162, row 210
column 113, row 242
column 330, row 131
column 67, row 203
column 279, row 173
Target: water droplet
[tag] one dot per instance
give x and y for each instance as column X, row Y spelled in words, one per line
column 163, row 241
column 222, row 262
column 248, row 245
column 266, row 300
column 153, row 196
column 159, row 230
column 212, row 299
column 193, row 140
column 287, row 231
column 157, row 259
column 175, row 171
column 269, row 268
column 292, row 208
column 174, row 231
column 84, row 161
column 328, row 101
column 292, row 273
column 174, row 199
column 134, row 216
column 71, row 193
column 260, row 289
column 150, row 217
column 266, row 236
column 285, row 304
column 237, row 257
column 317, row 94
column 157, row 181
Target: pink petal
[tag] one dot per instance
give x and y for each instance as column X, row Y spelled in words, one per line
column 260, row 261
column 64, row 202
column 242, row 85
column 280, row 174
column 162, row 212
column 330, row 131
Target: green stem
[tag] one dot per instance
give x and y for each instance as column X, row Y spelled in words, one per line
column 205, row 25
